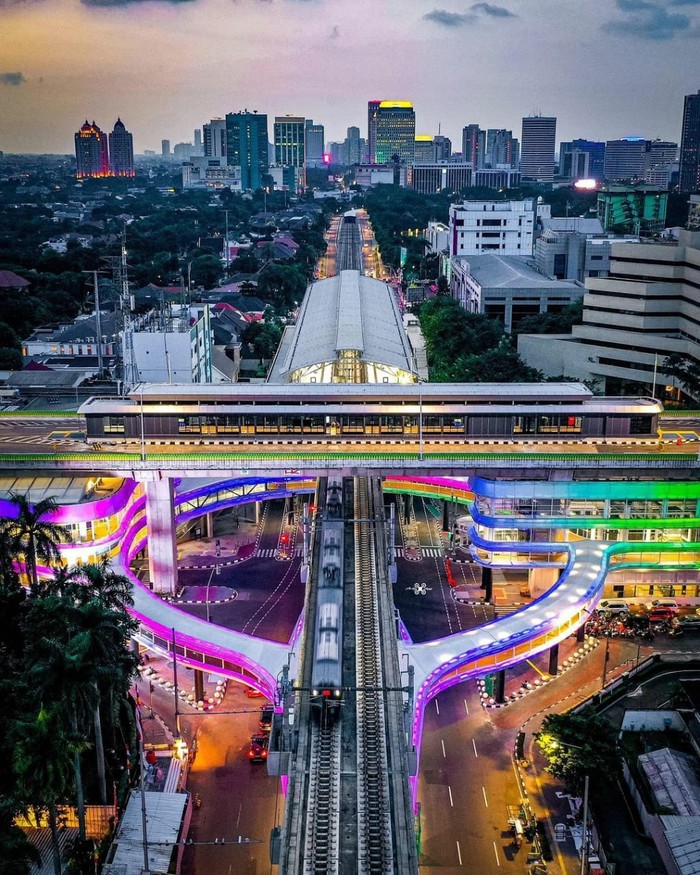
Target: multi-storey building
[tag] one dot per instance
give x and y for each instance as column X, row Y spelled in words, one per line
column 625, row 159
column 121, row 151
column 289, row 140
column 424, row 151
column 430, row 177
column 246, row 146
column 473, row 145
column 492, row 226
column 355, row 146
column 537, row 148
column 372, row 115
column 395, row 132
column 573, row 166
column 496, row 177
column 501, row 148
column 315, row 143
column 215, row 138
column 91, row 152
column 627, row 210
column 443, row 148
column 646, row 309
column 165, row 148
column 689, row 174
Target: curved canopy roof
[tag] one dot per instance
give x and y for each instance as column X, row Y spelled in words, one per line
column 349, row 312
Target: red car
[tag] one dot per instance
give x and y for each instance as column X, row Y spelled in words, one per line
column 257, row 752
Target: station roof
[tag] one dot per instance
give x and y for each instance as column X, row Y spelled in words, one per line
column 493, row 270
column 348, row 312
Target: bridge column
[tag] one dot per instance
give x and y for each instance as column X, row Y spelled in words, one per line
column 499, row 687
column 581, row 633
column 162, row 543
column 445, row 516
column 487, row 582
column 554, row 659
column 208, row 525
column 198, row 685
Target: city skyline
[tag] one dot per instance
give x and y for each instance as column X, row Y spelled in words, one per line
column 168, row 67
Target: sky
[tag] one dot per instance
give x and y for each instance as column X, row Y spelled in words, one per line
column 604, row 68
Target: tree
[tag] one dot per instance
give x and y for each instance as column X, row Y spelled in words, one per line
column 34, row 536
column 577, row 745
column 17, row 853
column 206, row 270
column 685, row 371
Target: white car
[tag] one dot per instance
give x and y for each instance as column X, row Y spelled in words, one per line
column 671, row 604
column 613, row 606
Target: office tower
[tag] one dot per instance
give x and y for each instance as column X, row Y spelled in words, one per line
column 596, row 158
column 689, row 176
column 473, row 145
column 289, row 140
column 165, row 148
column 121, row 151
column 246, row 146
column 315, row 144
column 625, row 159
column 91, row 152
column 215, row 138
column 500, row 148
column 443, row 148
column 395, row 132
column 537, row 148
column 372, row 113
column 423, row 150
column 354, row 145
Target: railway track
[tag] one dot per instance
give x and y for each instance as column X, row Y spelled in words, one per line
column 323, row 808
column 349, row 247
column 375, row 845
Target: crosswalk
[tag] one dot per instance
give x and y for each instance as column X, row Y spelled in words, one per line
column 271, row 552
column 425, row 552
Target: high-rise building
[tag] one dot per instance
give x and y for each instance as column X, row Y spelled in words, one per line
column 355, row 146
column 121, row 151
column 473, row 145
column 625, row 159
column 315, row 144
column 165, row 148
column 423, row 150
column 246, row 146
column 689, row 175
column 215, row 138
column 372, row 114
column 289, row 140
column 537, row 148
column 198, row 141
column 595, row 164
column 443, row 147
column 91, row 152
column 395, row 132
column 501, row 148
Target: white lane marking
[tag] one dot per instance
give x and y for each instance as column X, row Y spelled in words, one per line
column 442, row 742
column 474, row 746
column 459, row 854
column 466, row 707
column 437, row 707
column 495, row 850
column 486, row 801
column 449, row 790
column 238, row 819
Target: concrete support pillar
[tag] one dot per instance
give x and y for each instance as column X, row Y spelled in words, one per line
column 134, row 647
column 499, row 687
column 487, row 582
column 198, row 684
column 162, row 542
column 554, row 659
column 407, row 508
column 257, row 513
column 208, row 525
column 445, row 516
column 581, row 633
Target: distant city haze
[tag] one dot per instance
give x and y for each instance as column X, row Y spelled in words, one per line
column 604, row 68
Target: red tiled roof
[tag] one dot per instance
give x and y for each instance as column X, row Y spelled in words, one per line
column 9, row 280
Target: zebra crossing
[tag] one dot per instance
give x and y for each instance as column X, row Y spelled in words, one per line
column 271, row 552
column 426, row 552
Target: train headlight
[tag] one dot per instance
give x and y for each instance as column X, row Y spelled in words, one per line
column 314, row 692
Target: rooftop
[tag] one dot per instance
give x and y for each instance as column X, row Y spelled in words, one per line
column 510, row 271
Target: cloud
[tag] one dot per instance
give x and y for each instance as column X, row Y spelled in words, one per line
column 449, row 19
column 107, row 3
column 335, row 32
column 650, row 20
column 12, row 78
column 493, row 11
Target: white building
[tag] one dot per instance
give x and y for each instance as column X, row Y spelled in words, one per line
column 204, row 172
column 508, row 288
column 646, row 309
column 506, row 227
column 182, row 353
column 430, row 177
column 438, row 237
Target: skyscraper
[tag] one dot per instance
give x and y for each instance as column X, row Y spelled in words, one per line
column 215, row 138
column 315, row 144
column 537, row 148
column 372, row 113
column 501, row 148
column 246, row 146
column 689, row 176
column 395, row 132
column 165, row 148
column 473, row 145
column 596, row 158
column 354, row 145
column 121, row 151
column 625, row 159
column 198, row 142
column 91, row 152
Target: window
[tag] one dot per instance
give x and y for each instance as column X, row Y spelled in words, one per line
column 114, row 425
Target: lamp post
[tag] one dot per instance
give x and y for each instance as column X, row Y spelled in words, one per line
column 143, row 433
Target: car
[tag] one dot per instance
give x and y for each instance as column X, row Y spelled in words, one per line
column 253, row 694
column 691, row 623
column 257, row 751
column 614, row 606
column 266, row 715
column 671, row 604
column 661, row 615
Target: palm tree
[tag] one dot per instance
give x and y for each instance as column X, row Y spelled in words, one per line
column 34, row 536
column 43, row 765
column 111, row 590
column 17, row 853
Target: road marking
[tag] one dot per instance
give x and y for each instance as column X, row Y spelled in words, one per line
column 238, row 819
column 466, row 707
column 437, row 707
column 474, row 746
column 449, row 790
column 442, row 742
column 486, row 801
column 495, row 850
column 459, row 854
